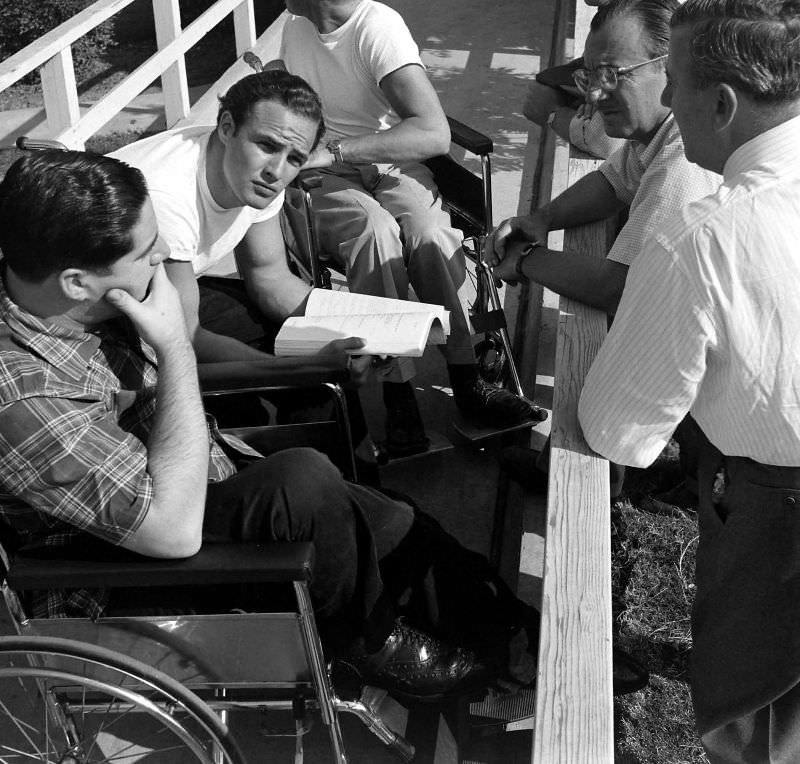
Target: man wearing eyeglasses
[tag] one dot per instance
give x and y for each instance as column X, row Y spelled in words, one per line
column 710, row 323
column 648, row 177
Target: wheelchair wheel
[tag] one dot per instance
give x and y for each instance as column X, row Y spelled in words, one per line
column 66, row 702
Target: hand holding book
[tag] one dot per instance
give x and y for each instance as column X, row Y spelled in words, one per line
column 389, row 327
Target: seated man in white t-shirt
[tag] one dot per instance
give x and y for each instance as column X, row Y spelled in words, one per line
column 378, row 209
column 217, row 190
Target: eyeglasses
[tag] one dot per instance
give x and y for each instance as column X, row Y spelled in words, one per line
column 605, row 75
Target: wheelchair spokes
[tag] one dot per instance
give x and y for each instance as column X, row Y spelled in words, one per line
column 67, row 703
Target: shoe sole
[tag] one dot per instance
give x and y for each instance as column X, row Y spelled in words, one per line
column 347, row 676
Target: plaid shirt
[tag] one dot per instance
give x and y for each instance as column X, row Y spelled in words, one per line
column 76, row 409
column 656, row 181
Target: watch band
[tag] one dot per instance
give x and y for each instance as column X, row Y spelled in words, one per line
column 521, row 277
column 335, row 147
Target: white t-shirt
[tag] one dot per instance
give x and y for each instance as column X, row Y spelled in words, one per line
column 194, row 226
column 347, row 65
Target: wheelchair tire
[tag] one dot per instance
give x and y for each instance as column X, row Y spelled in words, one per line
column 69, row 702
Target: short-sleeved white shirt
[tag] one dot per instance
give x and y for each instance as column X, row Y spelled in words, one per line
column 194, row 226
column 347, row 65
column 656, row 181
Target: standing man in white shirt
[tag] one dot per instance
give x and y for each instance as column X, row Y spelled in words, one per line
column 378, row 210
column 649, row 178
column 710, row 323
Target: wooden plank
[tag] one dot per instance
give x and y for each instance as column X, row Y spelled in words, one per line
column 50, row 44
column 574, row 713
column 574, row 708
column 244, row 28
column 204, row 111
column 174, row 83
column 136, row 82
column 60, row 92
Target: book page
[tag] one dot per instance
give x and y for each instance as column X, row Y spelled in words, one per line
column 399, row 334
column 327, row 302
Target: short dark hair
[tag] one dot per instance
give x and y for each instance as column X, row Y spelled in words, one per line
column 752, row 45
column 653, row 15
column 68, row 209
column 272, row 85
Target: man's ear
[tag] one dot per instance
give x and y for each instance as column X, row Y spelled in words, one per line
column 73, row 284
column 725, row 106
column 226, row 127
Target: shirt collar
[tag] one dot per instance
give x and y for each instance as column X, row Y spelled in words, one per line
column 774, row 146
column 67, row 348
column 648, row 152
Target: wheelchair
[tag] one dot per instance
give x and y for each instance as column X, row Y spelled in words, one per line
column 467, row 197
column 82, row 691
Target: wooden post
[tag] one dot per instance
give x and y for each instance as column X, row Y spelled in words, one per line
column 174, row 83
column 244, row 27
column 60, row 93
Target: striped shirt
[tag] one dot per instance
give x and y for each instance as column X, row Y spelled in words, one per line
column 655, row 181
column 76, row 409
column 709, row 321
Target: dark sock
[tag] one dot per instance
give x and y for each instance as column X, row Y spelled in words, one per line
column 397, row 391
column 462, row 374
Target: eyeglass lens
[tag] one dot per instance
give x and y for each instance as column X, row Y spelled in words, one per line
column 604, row 76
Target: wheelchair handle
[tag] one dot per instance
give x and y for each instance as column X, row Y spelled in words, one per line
column 253, row 61
column 38, row 144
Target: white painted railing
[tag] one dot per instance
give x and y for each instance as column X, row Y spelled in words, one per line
column 53, row 53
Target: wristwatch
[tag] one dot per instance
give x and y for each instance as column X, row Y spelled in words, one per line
column 551, row 117
column 335, row 147
column 521, row 277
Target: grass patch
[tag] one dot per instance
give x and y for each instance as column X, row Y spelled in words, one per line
column 653, row 560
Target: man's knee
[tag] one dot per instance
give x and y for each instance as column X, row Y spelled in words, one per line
column 302, row 470
column 362, row 218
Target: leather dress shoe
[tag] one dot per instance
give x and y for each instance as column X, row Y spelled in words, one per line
column 414, row 666
column 494, row 405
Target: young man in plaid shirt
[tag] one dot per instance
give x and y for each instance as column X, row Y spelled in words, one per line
column 104, row 441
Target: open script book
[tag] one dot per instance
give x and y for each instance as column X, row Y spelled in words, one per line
column 390, row 327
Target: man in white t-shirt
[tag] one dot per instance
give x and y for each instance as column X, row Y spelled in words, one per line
column 378, row 209
column 218, row 190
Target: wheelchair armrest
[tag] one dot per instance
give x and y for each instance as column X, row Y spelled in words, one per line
column 309, row 179
column 243, row 376
column 214, row 564
column 470, row 139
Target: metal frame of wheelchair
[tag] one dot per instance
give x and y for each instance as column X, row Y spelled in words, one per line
column 65, row 683
column 468, row 199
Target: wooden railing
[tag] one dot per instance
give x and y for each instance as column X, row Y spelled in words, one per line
column 53, row 53
column 574, row 704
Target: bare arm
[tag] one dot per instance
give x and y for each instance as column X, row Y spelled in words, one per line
column 177, row 450
column 422, row 132
column 278, row 293
column 208, row 346
column 270, row 285
column 590, row 199
column 592, row 281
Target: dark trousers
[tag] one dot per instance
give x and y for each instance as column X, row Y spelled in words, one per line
column 376, row 557
column 298, row 495
column 746, row 616
column 226, row 309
